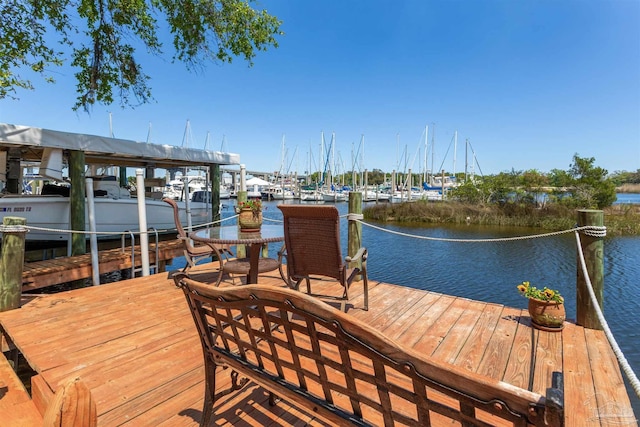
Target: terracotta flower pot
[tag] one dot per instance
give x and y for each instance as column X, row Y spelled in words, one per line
column 547, row 315
column 249, row 220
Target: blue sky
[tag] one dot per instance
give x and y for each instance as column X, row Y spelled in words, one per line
column 528, row 83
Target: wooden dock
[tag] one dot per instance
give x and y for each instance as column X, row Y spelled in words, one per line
column 41, row 274
column 134, row 344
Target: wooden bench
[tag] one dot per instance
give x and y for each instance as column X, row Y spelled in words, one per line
column 71, row 406
column 343, row 371
column 15, row 402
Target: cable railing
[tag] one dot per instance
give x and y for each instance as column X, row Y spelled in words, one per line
column 5, row 228
column 590, row 230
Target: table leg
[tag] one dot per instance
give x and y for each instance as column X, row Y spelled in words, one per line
column 254, row 259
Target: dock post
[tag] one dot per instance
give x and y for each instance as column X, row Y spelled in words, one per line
column 142, row 218
column 241, row 250
column 11, row 262
column 77, row 201
column 214, row 176
column 355, row 228
column 592, row 245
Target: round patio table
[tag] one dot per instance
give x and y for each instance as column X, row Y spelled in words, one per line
column 231, row 235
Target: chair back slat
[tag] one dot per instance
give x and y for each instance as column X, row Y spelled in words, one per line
column 312, row 239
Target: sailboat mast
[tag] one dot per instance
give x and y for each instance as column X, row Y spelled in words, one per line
column 333, row 157
column 455, row 147
column 426, row 146
column 466, row 158
column 322, row 157
column 433, row 148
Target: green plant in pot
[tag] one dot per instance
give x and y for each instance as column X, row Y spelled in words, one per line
column 546, row 307
column 250, row 215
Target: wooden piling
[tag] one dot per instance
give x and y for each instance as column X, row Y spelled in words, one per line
column 11, row 262
column 355, row 228
column 77, row 201
column 241, row 250
column 592, row 245
column 214, row 176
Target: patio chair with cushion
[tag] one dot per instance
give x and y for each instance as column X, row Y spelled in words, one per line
column 312, row 248
column 194, row 253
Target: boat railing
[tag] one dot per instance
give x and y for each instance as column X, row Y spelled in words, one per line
column 132, row 237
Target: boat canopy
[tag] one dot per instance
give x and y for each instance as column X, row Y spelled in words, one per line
column 32, row 142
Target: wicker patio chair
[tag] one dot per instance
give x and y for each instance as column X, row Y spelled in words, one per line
column 194, row 253
column 312, row 248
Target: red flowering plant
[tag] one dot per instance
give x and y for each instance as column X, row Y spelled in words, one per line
column 254, row 204
column 544, row 294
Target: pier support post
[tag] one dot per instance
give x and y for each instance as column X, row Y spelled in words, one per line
column 592, row 246
column 241, row 250
column 355, row 228
column 214, row 176
column 77, row 201
column 11, row 262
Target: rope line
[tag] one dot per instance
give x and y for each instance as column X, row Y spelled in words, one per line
column 626, row 368
column 589, row 230
column 594, row 229
column 279, row 221
column 13, row 228
column 9, row 229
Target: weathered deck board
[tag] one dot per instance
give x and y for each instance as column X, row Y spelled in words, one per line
column 134, row 344
column 496, row 354
column 607, row 373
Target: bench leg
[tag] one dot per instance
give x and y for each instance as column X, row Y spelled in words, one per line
column 272, row 399
column 209, row 392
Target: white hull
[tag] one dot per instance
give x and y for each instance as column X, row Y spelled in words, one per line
column 372, row 196
column 423, row 195
column 335, row 197
column 311, row 197
column 277, row 193
column 112, row 215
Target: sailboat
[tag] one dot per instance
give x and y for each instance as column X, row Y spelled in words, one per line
column 332, row 193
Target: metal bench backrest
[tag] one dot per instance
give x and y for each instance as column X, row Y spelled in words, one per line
column 333, row 365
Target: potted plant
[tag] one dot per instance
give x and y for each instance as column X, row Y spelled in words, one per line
column 546, row 307
column 250, row 215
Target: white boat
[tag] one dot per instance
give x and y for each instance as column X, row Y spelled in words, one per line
column 436, row 183
column 224, row 192
column 335, row 196
column 115, row 212
column 175, row 188
column 375, row 196
column 311, row 196
column 277, row 193
column 431, row 195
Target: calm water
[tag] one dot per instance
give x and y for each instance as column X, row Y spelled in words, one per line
column 628, row 198
column 490, row 271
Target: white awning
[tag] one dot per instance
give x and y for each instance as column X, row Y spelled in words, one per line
column 257, row 181
column 104, row 150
